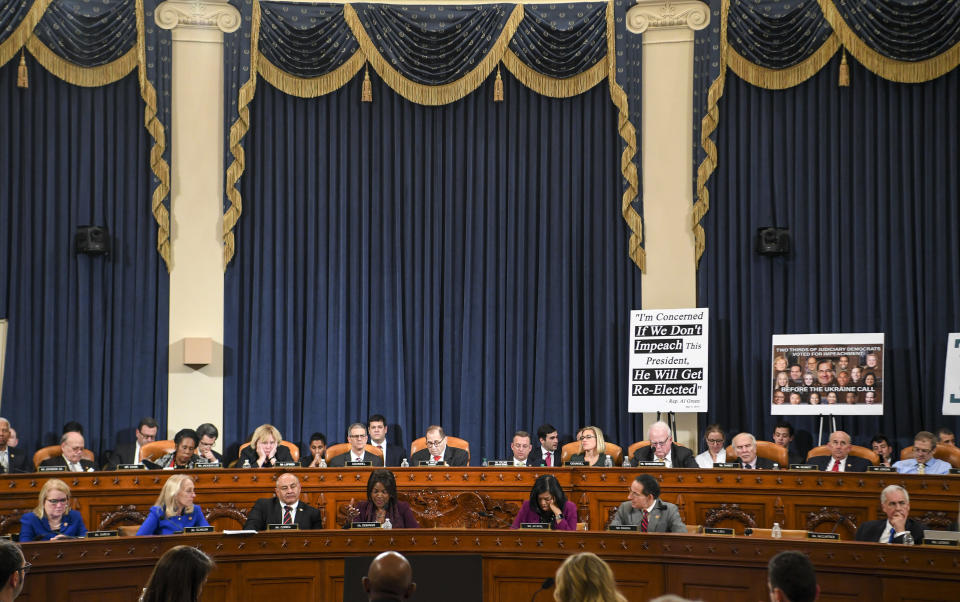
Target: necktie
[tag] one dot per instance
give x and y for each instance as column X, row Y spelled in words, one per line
column 922, row 468
column 643, row 521
column 287, row 519
column 836, row 466
column 549, row 459
column 436, row 458
column 892, row 533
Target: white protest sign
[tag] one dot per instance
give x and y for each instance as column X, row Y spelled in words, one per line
column 951, row 376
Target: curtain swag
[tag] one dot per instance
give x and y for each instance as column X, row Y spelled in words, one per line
column 777, row 45
column 432, row 55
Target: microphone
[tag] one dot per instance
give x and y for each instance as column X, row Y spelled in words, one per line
column 547, row 584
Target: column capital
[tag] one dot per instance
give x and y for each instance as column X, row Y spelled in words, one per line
column 667, row 14
column 198, row 14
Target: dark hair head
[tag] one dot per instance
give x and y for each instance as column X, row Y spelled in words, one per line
column 547, row 483
column 389, row 482
column 148, row 422
column 178, row 576
column 11, row 559
column 376, row 418
column 207, row 430
column 943, row 431
column 318, row 437
column 880, row 438
column 544, row 430
column 186, row 434
column 783, row 424
column 793, row 574
column 72, row 427
column 650, row 485
column 714, row 428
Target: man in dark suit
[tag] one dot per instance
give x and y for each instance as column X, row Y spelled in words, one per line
column 284, row 508
column 357, row 437
column 548, row 452
column 437, row 450
column 662, row 449
column 129, row 453
column 840, row 459
column 647, row 511
column 895, row 502
column 393, row 454
column 71, row 450
column 208, row 434
column 11, row 459
column 745, row 446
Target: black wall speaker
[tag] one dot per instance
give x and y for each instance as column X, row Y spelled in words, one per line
column 92, row 240
column 773, row 241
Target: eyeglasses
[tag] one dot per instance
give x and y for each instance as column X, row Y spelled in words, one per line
column 58, row 501
column 920, row 450
column 582, row 437
column 714, row 440
column 358, row 436
column 659, row 443
column 434, row 443
column 25, row 568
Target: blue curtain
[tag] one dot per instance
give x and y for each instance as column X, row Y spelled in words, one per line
column 866, row 179
column 87, row 335
column 463, row 265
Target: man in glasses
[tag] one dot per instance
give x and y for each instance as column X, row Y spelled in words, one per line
column 662, row 449
column 13, row 570
column 357, row 438
column 923, row 462
column 437, row 450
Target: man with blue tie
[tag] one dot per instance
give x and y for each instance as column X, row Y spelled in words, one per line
column 895, row 502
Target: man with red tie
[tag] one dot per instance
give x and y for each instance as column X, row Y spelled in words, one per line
column 284, row 509
column 647, row 511
column 437, row 450
column 840, row 459
column 548, row 452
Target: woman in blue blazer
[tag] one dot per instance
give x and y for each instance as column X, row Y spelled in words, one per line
column 52, row 518
column 174, row 509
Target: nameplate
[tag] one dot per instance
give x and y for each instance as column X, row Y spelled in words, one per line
column 286, row 464
column 881, row 469
column 949, row 543
column 952, row 470
column 360, row 463
column 717, row 531
column 623, row 528
column 131, row 467
column 283, row 527
column 215, row 465
column 207, row 529
column 817, row 535
column 6, row 537
column 500, row 463
column 804, row 467
column 370, row 524
column 652, row 463
column 535, row 526
column 430, row 463
column 575, row 463
column 53, row 469
column 726, row 465
column 102, row 534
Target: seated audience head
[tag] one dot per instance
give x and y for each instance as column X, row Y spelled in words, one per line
column 13, row 570
column 549, row 437
column 71, row 446
column 186, row 442
column 661, row 441
column 783, row 434
column 146, row 430
column 208, row 435
column 382, row 489
column 266, row 438
column 546, row 490
column 72, row 427
column 377, row 428
column 714, row 437
column 177, row 495
column 357, row 437
column 644, row 491
column 54, row 500
column 924, row 444
column 520, row 446
column 591, row 439
column 288, row 489
column 944, row 437
column 881, row 446
column 825, row 372
column 745, row 446
column 895, row 502
column 839, row 444
column 389, row 578
column 318, row 445
column 584, row 577
column 791, row 578
column 178, row 576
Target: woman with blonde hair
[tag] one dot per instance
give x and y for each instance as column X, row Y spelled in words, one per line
column 264, row 450
column 174, row 509
column 52, row 518
column 585, row 577
column 593, row 449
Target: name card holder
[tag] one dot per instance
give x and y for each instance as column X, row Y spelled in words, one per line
column 286, row 464
column 365, row 525
column 360, row 463
column 652, row 464
column 818, row 535
column 575, row 463
column 947, row 543
column 213, row 465
column 96, row 534
column 283, row 527
column 207, row 529
column 881, row 469
column 623, row 528
column 726, row 465
column 804, row 467
column 500, row 463
column 717, row 531
column 541, row 526
column 955, row 471
column 431, row 463
column 8, row 537
column 52, row 469
column 131, row 467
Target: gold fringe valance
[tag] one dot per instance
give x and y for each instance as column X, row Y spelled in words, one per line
column 87, row 77
column 905, row 72
column 629, row 135
column 313, row 86
column 433, row 95
column 552, row 86
column 780, row 79
column 158, row 165
column 19, row 37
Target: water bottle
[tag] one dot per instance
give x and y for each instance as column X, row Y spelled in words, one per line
column 322, row 464
column 484, row 463
column 246, row 463
column 608, row 462
column 776, row 533
column 404, row 464
column 907, row 539
column 387, row 524
column 626, row 462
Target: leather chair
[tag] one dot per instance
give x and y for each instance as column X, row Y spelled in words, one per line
column 855, row 450
column 294, row 450
column 51, row 451
column 613, row 450
column 155, row 449
column 452, row 441
column 341, row 448
column 947, row 453
column 765, row 449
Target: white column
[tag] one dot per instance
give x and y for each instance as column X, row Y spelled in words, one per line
column 196, row 279
column 670, row 280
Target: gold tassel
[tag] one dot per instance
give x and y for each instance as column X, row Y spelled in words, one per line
column 367, row 94
column 498, row 87
column 844, row 70
column 22, row 80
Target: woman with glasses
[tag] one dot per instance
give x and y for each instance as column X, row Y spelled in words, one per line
column 593, row 449
column 52, row 518
column 548, row 504
column 265, row 449
column 716, row 452
column 174, row 509
column 184, row 455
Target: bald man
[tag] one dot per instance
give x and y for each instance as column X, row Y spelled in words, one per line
column 71, row 454
column 389, row 579
column 840, row 459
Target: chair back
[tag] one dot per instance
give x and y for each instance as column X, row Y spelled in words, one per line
column 153, row 450
column 51, row 451
column 341, row 448
column 635, row 446
column 294, row 450
column 855, row 450
column 452, row 441
column 947, row 453
column 765, row 449
column 612, row 449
